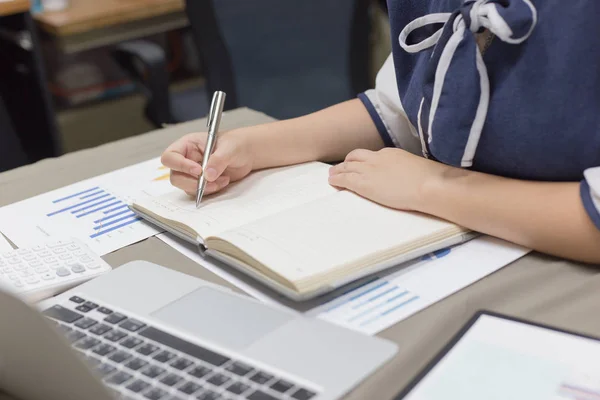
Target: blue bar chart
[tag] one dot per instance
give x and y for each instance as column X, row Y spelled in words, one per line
column 102, row 211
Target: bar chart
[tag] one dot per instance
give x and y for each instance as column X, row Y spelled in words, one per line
column 97, row 207
column 94, row 210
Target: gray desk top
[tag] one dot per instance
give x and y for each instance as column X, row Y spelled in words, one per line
column 537, row 287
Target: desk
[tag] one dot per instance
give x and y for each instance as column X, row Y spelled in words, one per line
column 538, row 287
column 89, row 24
column 13, row 7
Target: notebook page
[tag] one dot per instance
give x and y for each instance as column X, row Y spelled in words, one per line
column 258, row 195
column 329, row 232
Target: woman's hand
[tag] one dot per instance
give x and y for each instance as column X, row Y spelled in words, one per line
column 230, row 161
column 391, row 177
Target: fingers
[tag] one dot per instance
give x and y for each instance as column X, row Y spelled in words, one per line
column 189, row 184
column 352, row 181
column 219, row 160
column 176, row 157
column 359, row 155
column 347, row 167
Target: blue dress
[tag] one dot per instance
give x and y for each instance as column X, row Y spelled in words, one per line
column 527, row 108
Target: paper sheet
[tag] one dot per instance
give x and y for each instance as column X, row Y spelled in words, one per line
column 94, row 210
column 375, row 303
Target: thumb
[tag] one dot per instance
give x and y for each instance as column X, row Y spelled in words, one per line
column 219, row 160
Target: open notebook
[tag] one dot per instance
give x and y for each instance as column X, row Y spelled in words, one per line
column 290, row 229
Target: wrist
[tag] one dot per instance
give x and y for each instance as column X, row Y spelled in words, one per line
column 435, row 188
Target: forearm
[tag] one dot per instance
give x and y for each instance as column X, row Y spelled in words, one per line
column 548, row 217
column 326, row 135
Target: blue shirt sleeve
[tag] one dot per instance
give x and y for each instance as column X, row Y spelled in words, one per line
column 590, row 194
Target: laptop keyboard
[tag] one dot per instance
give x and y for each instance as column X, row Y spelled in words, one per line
column 139, row 361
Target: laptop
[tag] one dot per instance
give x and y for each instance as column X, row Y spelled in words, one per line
column 147, row 332
column 496, row 356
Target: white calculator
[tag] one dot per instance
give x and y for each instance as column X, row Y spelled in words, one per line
column 44, row 270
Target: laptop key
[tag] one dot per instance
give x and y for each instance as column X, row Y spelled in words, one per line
column 282, row 386
column 62, row 314
column 239, row 368
column 138, row 385
column 114, row 318
column 85, row 323
column 261, row 377
column 131, row 342
column 90, row 305
column 104, row 349
column 105, row 369
column 115, row 336
column 132, row 325
column 152, row 371
column 218, row 379
column 87, row 343
column 147, row 349
column 181, row 364
column 200, row 371
column 119, row 378
column 237, row 388
column 260, row 395
column 100, row 329
column 155, row 394
column 136, row 364
column 119, row 357
column 208, row 394
column 170, row 379
column 83, row 308
column 105, row 310
column 75, row 336
column 184, row 346
column 164, row 356
column 189, row 388
column 303, row 394
column 77, row 299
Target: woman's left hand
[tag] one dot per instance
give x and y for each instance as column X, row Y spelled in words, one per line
column 391, row 177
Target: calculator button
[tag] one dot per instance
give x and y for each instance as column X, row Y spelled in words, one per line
column 7, row 270
column 14, row 260
column 32, row 280
column 30, row 257
column 58, row 243
column 50, row 260
column 63, row 272
column 72, row 247
column 44, row 253
column 41, row 270
column 86, row 259
column 25, row 273
column 48, row 276
column 35, row 263
column 60, row 250
column 78, row 268
column 20, row 267
column 38, row 248
column 93, row 266
column 18, row 284
column 13, row 277
column 65, row 257
column 79, row 253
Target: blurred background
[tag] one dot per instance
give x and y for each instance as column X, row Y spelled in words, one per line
column 79, row 73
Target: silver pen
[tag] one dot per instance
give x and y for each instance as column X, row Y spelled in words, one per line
column 214, row 119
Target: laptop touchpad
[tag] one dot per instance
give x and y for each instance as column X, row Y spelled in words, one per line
column 221, row 318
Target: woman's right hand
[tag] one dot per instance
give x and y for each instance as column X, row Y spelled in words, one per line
column 230, row 161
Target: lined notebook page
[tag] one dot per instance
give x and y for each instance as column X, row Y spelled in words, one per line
column 328, row 232
column 260, row 194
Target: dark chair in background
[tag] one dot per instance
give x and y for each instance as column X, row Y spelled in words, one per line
column 11, row 152
column 284, row 58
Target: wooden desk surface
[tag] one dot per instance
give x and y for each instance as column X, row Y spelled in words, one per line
column 87, row 15
column 13, row 7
